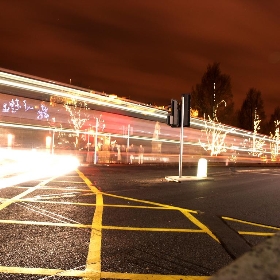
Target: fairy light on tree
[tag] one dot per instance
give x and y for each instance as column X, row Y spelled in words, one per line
column 274, row 145
column 258, row 143
column 78, row 115
column 215, row 133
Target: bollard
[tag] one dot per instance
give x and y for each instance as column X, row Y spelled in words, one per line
column 202, row 168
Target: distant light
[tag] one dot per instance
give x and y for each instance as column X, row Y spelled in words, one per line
column 10, row 140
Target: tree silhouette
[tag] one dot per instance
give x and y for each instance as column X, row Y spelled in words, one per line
column 214, row 88
column 253, row 104
column 270, row 127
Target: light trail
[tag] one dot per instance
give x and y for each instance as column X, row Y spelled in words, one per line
column 236, row 145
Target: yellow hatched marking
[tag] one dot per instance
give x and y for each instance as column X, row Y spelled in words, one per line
column 185, row 212
column 91, row 275
column 93, row 263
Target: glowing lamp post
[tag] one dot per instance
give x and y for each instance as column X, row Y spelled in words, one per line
column 48, row 142
column 10, row 139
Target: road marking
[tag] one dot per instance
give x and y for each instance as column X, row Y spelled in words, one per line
column 91, row 275
column 253, row 224
column 149, row 202
column 256, row 233
column 93, row 263
column 154, row 229
column 46, row 213
column 250, row 223
column 34, row 223
column 199, row 224
column 185, row 212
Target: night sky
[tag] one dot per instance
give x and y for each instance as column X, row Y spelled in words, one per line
column 149, row 51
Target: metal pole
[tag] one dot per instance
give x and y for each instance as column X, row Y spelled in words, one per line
column 181, row 138
column 95, row 141
column 88, row 157
column 128, row 131
column 53, row 141
column 88, row 140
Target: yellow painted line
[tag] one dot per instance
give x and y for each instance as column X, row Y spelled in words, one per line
column 154, row 229
column 96, row 227
column 42, row 271
column 21, row 195
column 91, row 275
column 185, row 212
column 256, row 233
column 199, row 224
column 123, row 276
column 250, row 223
column 70, row 182
column 38, row 200
column 93, row 263
column 137, row 207
column 149, row 202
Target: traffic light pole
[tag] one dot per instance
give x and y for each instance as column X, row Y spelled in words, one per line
column 174, row 119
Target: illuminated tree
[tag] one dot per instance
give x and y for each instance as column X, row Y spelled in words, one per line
column 257, row 142
column 213, row 88
column 215, row 134
column 274, row 145
column 78, row 115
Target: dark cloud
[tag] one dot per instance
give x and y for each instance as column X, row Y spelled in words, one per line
column 150, row 51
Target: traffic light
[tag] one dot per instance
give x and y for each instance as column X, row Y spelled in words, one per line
column 187, row 110
column 173, row 119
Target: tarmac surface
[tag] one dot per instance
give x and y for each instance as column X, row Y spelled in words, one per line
column 129, row 222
